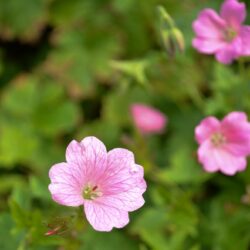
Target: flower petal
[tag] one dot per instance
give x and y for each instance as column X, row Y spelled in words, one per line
column 228, row 163
column 74, row 153
column 207, row 126
column 233, row 12
column 148, row 119
column 123, row 183
column 236, row 129
column 209, row 25
column 206, row 157
column 214, row 159
column 104, row 217
column 245, row 41
column 235, row 117
column 207, row 45
column 227, row 54
column 94, row 157
column 66, row 184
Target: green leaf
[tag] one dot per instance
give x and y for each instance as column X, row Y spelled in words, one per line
column 93, row 240
column 21, row 17
column 151, row 227
column 8, row 240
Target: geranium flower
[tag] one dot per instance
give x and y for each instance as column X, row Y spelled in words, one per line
column 147, row 119
column 223, row 35
column 108, row 184
column 224, row 145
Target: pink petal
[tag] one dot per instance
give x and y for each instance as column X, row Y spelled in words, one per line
column 239, row 148
column 228, row 163
column 245, row 41
column 204, row 130
column 94, row 155
column 209, row 25
column 235, row 117
column 227, row 54
column 207, row 45
column 233, row 12
column 74, row 153
column 206, row 157
column 104, row 217
column 214, row 159
column 124, row 185
column 147, row 119
column 66, row 184
column 236, row 128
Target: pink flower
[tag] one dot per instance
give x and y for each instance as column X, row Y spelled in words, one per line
column 223, row 35
column 108, row 184
column 224, row 145
column 147, row 119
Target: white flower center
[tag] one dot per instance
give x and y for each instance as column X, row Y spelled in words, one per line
column 218, row 139
column 91, row 192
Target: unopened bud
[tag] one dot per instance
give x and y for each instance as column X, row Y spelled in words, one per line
column 179, row 39
column 171, row 36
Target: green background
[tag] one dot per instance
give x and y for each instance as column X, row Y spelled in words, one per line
column 70, row 69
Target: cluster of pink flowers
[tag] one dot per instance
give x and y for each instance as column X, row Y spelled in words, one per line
column 110, row 184
column 223, row 35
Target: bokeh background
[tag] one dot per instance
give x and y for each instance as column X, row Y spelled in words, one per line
column 69, row 69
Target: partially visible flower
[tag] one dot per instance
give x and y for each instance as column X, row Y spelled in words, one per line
column 108, row 184
column 224, row 144
column 223, row 35
column 147, row 119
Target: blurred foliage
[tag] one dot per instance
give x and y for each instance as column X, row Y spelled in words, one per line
column 69, row 69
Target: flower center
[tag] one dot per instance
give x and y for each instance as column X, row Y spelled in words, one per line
column 91, row 192
column 230, row 34
column 218, row 139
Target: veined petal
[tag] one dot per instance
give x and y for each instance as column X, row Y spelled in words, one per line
column 123, row 181
column 74, row 153
column 104, row 217
column 94, row 157
column 66, row 184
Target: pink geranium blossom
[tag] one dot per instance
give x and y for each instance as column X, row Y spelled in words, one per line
column 147, row 119
column 223, row 35
column 108, row 184
column 224, row 144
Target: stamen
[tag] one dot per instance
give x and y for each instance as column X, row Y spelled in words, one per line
column 91, row 192
column 230, row 34
column 218, row 139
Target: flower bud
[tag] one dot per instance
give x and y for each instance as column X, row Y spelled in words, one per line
column 171, row 36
